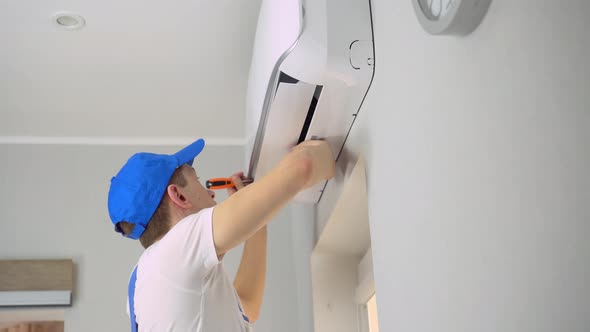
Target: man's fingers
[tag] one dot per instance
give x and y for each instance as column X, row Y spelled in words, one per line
column 237, row 179
column 238, row 174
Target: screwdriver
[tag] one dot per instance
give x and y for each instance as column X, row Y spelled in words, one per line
column 224, row 183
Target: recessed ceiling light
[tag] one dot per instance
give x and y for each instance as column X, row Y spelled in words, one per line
column 69, row 21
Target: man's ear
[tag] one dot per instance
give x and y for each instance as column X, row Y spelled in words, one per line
column 177, row 196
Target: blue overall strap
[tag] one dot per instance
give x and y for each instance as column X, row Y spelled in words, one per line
column 243, row 314
column 131, row 300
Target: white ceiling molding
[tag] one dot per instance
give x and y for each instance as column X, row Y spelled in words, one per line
column 126, row 141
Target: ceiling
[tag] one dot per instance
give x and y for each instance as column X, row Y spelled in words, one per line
column 139, row 71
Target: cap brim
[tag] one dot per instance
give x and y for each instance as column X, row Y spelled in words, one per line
column 188, row 154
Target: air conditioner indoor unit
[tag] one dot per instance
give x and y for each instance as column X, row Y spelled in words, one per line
column 312, row 66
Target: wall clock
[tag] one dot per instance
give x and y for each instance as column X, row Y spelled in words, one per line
column 450, row 17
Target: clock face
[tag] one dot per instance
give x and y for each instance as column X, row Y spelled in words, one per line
column 436, row 9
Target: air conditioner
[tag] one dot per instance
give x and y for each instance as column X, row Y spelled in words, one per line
column 312, row 65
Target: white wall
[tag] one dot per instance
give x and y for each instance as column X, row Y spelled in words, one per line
column 53, row 205
column 478, row 166
column 280, row 305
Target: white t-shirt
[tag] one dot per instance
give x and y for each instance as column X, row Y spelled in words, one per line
column 182, row 286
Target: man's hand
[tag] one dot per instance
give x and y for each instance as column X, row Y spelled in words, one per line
column 237, row 179
column 320, row 155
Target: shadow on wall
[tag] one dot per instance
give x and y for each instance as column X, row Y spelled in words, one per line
column 342, row 265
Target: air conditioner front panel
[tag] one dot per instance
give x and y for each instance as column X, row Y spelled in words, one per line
column 284, row 123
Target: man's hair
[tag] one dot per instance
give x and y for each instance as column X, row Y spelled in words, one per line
column 159, row 223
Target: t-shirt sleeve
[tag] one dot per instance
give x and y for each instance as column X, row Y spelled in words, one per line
column 194, row 238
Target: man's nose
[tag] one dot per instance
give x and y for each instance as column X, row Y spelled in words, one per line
column 211, row 193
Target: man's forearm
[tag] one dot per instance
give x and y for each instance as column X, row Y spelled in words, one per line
column 251, row 276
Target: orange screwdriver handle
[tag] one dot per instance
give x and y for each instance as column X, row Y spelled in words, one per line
column 223, row 183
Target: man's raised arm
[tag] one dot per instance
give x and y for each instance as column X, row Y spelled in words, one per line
column 245, row 212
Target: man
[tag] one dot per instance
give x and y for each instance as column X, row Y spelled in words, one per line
column 179, row 283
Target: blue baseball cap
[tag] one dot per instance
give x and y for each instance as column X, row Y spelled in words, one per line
column 138, row 188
